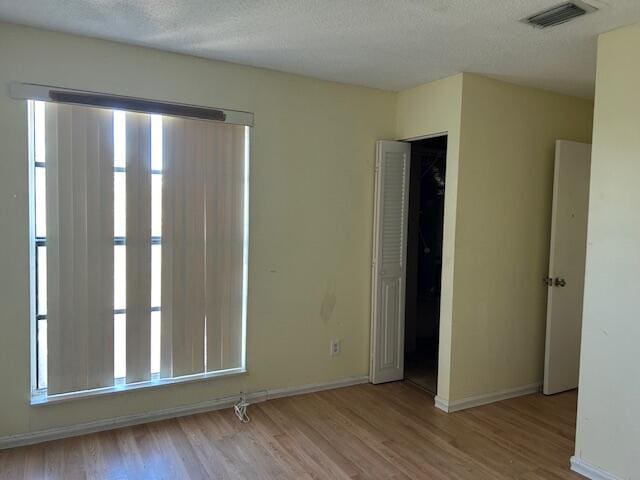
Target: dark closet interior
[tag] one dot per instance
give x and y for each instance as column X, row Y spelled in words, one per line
column 424, row 261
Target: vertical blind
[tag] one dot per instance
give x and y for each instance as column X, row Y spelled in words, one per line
column 138, row 243
column 79, row 151
column 203, row 239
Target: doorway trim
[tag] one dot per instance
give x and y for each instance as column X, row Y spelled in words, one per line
column 426, row 137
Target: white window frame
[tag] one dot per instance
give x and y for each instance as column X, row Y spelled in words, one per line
column 39, row 396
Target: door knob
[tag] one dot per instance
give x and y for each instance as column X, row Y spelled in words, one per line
column 548, row 281
column 560, row 282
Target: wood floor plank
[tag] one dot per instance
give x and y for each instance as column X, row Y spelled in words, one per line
column 376, row 438
column 126, row 444
column 356, row 449
column 268, row 433
column 53, row 459
column 316, row 441
column 314, row 462
column 74, row 465
column 12, row 463
column 389, row 431
column 34, row 462
column 430, row 431
column 211, row 458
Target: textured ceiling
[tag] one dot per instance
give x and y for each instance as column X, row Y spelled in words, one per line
column 390, row 44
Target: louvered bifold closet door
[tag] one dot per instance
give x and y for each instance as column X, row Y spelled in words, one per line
column 138, row 244
column 79, row 153
column 225, row 207
column 185, row 150
column 389, row 262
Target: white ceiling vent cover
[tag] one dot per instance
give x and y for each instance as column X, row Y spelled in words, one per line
column 559, row 14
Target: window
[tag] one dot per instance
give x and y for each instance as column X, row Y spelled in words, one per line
column 139, row 241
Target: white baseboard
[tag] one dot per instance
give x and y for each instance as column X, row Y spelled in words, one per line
column 55, row 433
column 441, row 403
column 478, row 400
column 590, row 471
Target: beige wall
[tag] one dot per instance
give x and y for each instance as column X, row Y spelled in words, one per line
column 497, row 222
column 427, row 110
column 311, row 214
column 503, row 228
column 608, row 433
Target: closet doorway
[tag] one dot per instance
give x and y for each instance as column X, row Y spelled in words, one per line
column 424, row 261
column 407, row 260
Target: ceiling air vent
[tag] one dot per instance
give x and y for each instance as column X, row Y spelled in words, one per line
column 559, row 14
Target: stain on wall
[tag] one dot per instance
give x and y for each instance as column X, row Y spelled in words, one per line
column 328, row 304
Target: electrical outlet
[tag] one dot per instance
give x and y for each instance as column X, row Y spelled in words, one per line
column 334, row 348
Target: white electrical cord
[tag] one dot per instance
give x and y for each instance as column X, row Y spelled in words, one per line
column 240, row 409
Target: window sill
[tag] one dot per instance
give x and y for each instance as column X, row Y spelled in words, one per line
column 40, row 397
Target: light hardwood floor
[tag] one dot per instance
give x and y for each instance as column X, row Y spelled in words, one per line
column 387, row 431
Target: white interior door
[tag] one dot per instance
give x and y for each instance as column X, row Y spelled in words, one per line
column 389, row 261
column 566, row 265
